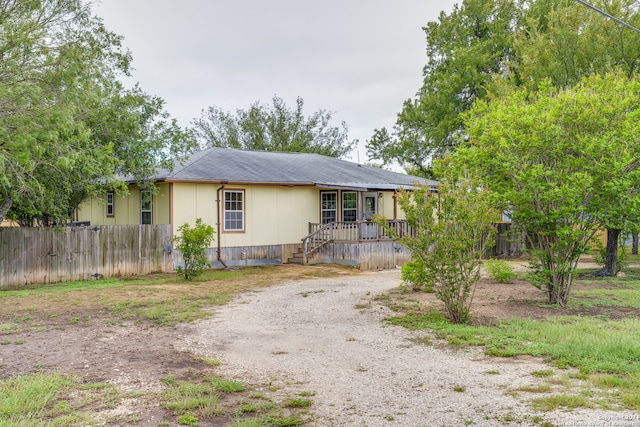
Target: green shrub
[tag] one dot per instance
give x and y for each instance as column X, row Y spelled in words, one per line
column 414, row 277
column 193, row 242
column 450, row 234
column 499, row 270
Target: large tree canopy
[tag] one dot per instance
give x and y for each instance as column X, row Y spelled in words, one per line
column 521, row 42
column 489, row 46
column 560, row 160
column 68, row 126
column 274, row 127
column 464, row 50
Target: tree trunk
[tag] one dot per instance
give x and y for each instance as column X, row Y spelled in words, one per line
column 634, row 245
column 4, row 207
column 610, row 268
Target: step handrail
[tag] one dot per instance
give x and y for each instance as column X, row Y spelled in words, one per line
column 316, row 239
column 356, row 231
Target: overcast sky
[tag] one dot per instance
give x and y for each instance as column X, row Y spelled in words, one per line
column 359, row 59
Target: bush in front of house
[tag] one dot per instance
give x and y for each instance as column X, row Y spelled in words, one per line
column 193, row 242
column 414, row 277
column 499, row 270
column 451, row 231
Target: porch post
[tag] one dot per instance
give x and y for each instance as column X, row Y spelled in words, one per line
column 395, row 205
column 360, row 214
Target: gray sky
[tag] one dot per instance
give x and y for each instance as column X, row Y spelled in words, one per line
column 358, row 59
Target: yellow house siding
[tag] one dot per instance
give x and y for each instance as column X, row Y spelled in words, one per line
column 161, row 202
column 126, row 208
column 385, row 204
column 192, row 201
column 95, row 211
column 273, row 215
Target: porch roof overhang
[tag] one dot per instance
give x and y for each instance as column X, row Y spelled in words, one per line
column 357, row 186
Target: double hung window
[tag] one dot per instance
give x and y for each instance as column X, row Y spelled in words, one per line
column 329, row 206
column 233, row 210
column 146, row 207
column 349, row 206
column 110, row 204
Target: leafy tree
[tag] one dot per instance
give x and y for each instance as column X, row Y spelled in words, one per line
column 556, row 159
column 273, row 127
column 464, row 50
column 193, row 242
column 68, row 127
column 514, row 42
column 566, row 42
column 452, row 230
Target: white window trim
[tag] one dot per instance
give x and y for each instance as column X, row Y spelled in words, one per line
column 225, row 211
column 322, row 210
column 111, row 204
column 142, row 211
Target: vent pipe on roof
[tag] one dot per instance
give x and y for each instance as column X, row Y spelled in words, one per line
column 218, row 223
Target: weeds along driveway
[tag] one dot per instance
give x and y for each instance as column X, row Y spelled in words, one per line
column 328, row 336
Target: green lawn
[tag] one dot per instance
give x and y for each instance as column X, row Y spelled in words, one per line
column 603, row 351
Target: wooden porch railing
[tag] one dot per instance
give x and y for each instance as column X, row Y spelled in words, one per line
column 321, row 234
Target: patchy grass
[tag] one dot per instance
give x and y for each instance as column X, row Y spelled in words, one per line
column 607, row 291
column 199, row 399
column 604, row 351
column 59, row 399
column 296, row 402
column 155, row 301
column 158, row 299
column 544, row 373
column 540, row 388
column 557, row 401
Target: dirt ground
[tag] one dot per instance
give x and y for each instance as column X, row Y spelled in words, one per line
column 134, row 357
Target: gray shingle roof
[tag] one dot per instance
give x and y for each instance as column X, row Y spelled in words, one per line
column 240, row 166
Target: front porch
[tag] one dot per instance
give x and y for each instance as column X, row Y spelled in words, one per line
column 364, row 243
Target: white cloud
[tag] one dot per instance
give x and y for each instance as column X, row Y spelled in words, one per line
column 358, row 59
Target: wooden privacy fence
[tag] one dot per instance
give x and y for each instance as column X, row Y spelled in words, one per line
column 50, row 255
column 508, row 243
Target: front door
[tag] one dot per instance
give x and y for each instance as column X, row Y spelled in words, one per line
column 370, row 205
column 370, row 208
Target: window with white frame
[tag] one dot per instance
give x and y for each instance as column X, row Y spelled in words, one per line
column 349, row 206
column 110, row 204
column 328, row 206
column 233, row 210
column 146, row 207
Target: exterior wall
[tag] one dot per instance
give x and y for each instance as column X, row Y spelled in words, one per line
column 192, row 201
column 126, row 208
column 273, row 215
column 388, row 207
column 276, row 218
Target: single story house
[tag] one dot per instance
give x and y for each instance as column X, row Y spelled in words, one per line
column 271, row 207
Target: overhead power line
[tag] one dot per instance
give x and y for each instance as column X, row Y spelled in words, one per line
column 602, row 12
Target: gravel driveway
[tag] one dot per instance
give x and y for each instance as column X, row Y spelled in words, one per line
column 328, row 336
